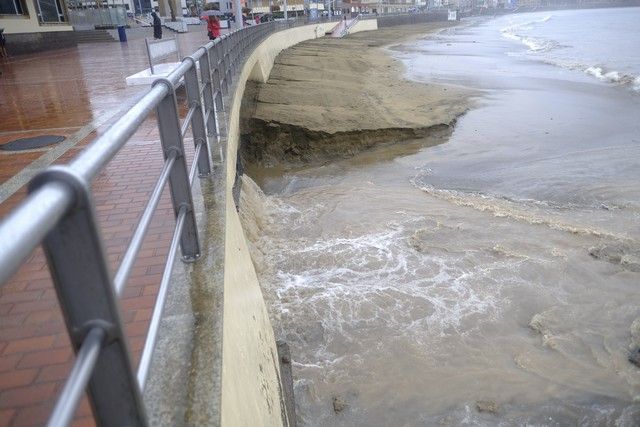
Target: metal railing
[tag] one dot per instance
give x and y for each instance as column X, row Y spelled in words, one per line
column 350, row 25
column 60, row 214
column 91, row 18
column 158, row 50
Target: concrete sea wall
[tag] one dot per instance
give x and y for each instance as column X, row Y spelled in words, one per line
column 251, row 386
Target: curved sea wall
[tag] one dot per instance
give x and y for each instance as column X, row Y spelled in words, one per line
column 251, row 377
column 251, row 386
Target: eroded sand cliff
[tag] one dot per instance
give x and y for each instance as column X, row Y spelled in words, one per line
column 330, row 98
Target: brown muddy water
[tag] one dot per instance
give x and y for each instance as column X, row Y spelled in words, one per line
column 489, row 280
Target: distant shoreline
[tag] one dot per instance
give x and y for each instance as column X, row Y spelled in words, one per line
column 502, row 11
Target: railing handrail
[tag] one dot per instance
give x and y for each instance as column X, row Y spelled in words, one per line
column 59, row 213
column 347, row 26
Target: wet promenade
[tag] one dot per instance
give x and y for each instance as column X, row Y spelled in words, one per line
column 76, row 93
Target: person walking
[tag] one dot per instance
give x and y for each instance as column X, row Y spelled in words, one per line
column 3, row 45
column 213, row 27
column 157, row 26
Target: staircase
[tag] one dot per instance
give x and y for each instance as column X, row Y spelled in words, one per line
column 343, row 27
column 94, row 36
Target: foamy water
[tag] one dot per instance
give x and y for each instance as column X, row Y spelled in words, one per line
column 501, row 266
column 413, row 314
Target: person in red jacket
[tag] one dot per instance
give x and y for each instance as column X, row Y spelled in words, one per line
column 213, row 27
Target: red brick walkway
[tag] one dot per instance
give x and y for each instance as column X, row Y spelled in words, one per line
column 59, row 93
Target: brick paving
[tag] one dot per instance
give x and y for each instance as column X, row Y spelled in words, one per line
column 58, row 93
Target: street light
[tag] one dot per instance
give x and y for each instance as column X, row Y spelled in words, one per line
column 239, row 21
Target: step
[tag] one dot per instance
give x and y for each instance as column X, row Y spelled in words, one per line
column 93, row 36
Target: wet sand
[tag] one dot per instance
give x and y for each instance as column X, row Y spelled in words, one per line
column 329, row 98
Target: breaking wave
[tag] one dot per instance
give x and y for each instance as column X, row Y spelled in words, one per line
column 613, row 76
column 600, row 72
column 538, row 45
column 513, row 32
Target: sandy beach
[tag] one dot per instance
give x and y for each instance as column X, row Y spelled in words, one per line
column 330, row 98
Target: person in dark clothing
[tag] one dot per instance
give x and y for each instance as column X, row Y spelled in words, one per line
column 3, row 43
column 157, row 26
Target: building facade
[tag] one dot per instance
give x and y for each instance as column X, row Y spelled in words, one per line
column 35, row 25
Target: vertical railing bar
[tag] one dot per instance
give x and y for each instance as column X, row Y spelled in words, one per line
column 222, row 66
column 76, row 383
column 187, row 120
column 194, row 168
column 228, row 61
column 217, row 77
column 211, row 126
column 138, row 236
column 149, row 345
column 204, row 88
column 198, row 124
column 171, row 139
column 149, row 55
column 83, row 284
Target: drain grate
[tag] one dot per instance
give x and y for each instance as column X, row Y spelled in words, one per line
column 31, row 143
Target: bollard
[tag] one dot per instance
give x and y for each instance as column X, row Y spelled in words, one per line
column 121, row 34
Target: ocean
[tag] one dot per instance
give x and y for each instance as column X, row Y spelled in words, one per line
column 489, row 280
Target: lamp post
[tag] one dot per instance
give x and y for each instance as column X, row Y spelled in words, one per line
column 239, row 21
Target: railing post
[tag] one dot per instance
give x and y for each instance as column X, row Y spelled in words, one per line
column 209, row 103
column 228, row 62
column 83, row 284
column 194, row 100
column 171, row 138
column 223, row 65
column 238, row 52
column 215, row 63
column 234, row 52
column 244, row 42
